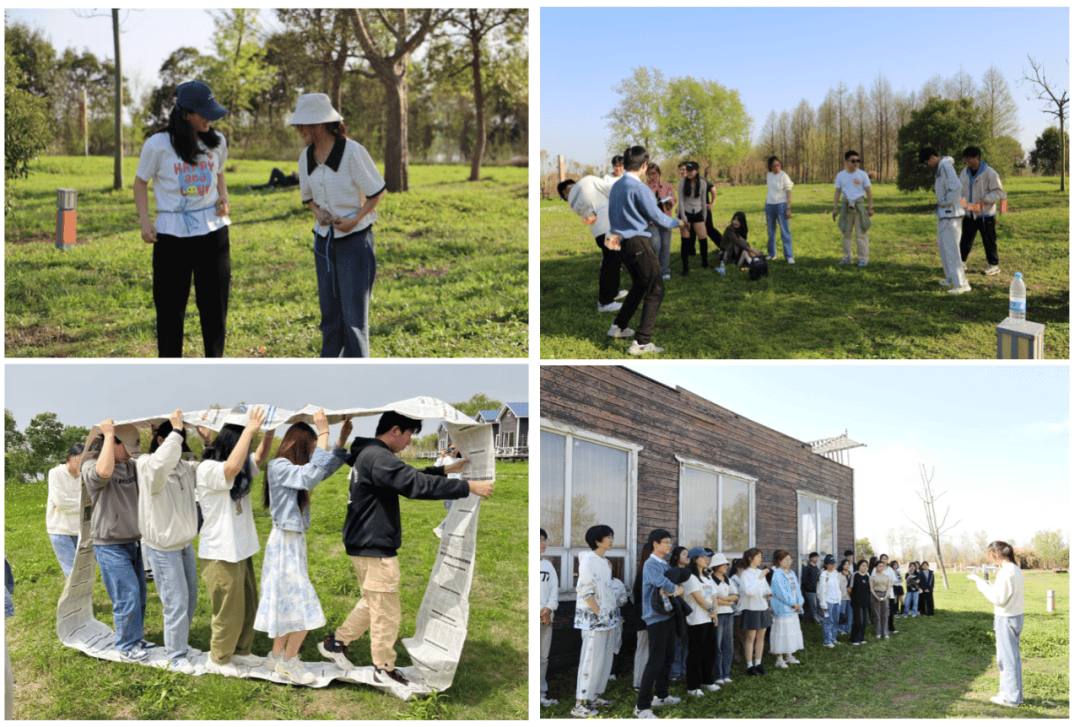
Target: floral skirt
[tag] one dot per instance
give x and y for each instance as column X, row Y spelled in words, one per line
column 288, row 601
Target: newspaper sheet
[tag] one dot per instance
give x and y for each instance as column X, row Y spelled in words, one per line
column 441, row 624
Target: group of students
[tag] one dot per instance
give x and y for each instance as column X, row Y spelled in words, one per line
column 162, row 500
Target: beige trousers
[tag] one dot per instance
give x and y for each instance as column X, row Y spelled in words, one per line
column 234, row 600
column 379, row 608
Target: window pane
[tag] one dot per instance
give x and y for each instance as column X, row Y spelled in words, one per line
column 807, row 526
column 736, row 530
column 825, row 518
column 699, row 503
column 555, row 560
column 599, row 487
column 553, row 487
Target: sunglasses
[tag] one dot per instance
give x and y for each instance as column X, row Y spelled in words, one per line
column 854, row 161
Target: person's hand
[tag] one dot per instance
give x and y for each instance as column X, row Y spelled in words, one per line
column 590, row 220
column 321, row 425
column 613, row 243
column 545, row 615
column 834, row 213
column 870, row 212
column 205, row 433
column 256, row 417
column 679, row 590
column 709, row 205
column 222, row 207
column 343, row 225
column 787, row 213
column 346, row 428
column 322, row 217
column 177, row 421
column 483, row 488
column 456, row 466
column 149, row 234
column 107, row 427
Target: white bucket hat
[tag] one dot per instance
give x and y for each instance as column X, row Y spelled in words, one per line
column 718, row 560
column 314, row 108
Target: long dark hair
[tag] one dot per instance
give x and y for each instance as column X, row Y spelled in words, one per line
column 182, row 136
column 686, row 191
column 743, row 232
column 297, row 446
column 1003, row 549
column 219, row 451
column 675, row 553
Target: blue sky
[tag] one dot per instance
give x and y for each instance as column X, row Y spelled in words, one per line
column 83, row 394
column 777, row 56
column 996, row 435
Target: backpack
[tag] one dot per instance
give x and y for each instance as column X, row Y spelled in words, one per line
column 758, row 268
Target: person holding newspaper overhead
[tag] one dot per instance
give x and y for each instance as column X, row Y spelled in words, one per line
column 372, row 536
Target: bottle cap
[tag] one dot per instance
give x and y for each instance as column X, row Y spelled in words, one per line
column 1018, row 275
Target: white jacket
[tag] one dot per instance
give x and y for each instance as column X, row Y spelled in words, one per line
column 1007, row 593
column 588, row 197
column 752, row 590
column 823, row 586
column 167, row 515
column 63, row 507
column 549, row 586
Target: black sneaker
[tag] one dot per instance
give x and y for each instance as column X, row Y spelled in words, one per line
column 761, row 670
column 336, row 652
column 751, row 671
column 382, row 677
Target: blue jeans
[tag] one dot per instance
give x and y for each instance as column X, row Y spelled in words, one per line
column 911, row 603
column 811, row 608
column 122, row 572
column 725, row 634
column 178, row 586
column 1011, row 685
column 661, row 242
column 345, row 272
column 777, row 213
column 678, row 663
column 832, row 616
column 64, row 546
column 845, row 608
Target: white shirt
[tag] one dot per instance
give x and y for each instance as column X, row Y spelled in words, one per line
column 1007, row 593
column 723, row 590
column 443, row 461
column 167, row 517
column 752, row 590
column 698, row 615
column 227, row 534
column 341, row 184
column 851, row 185
column 63, row 507
column 549, row 586
column 186, row 196
column 779, row 185
column 588, row 197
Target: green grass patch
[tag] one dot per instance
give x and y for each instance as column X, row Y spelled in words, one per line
column 452, row 277
column 55, row 682
column 893, row 308
column 939, row 667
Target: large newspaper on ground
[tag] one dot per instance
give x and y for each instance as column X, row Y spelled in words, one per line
column 441, row 624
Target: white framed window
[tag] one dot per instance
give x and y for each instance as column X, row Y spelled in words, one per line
column 716, row 507
column 586, row 479
column 817, row 525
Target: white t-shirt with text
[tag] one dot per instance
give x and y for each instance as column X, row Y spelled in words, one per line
column 186, row 195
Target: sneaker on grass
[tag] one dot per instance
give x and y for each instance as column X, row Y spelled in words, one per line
column 622, row 294
column 712, row 687
column 696, row 693
column 666, row 701
column 636, row 349
column 644, row 713
column 336, row 652
column 1003, row 702
column 545, row 702
column 600, row 702
column 992, row 270
column 134, row 655
column 384, row 677
column 580, row 710
column 616, row 332
column 959, row 289
column 609, row 308
column 295, row 671
column 183, row 666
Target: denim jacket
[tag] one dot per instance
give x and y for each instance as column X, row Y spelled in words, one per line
column 286, row 479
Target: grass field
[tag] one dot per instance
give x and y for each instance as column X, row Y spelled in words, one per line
column 55, row 682
column 893, row 308
column 939, row 667
column 452, row 276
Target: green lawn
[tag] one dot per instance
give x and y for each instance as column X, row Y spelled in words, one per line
column 893, row 308
column 944, row 666
column 55, row 682
column 452, row 277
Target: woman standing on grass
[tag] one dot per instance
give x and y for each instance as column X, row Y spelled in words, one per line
column 1007, row 595
column 679, row 559
column 911, row 600
column 701, row 624
column 63, row 509
column 926, row 590
column 880, row 589
column 845, row 597
column 341, row 186
column 186, row 161
column 756, row 617
column 787, row 604
column 778, row 208
column 861, row 598
column 693, row 206
column 289, row 606
column 739, row 634
column 727, row 597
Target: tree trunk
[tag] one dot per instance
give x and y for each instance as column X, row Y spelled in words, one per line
column 118, row 121
column 1061, row 120
column 481, row 118
column 396, row 153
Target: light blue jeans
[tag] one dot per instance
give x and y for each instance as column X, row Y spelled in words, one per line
column 661, row 243
column 777, row 213
column 911, row 604
column 1011, row 684
column 124, row 579
column 845, row 608
column 832, row 616
column 725, row 634
column 64, row 546
column 178, row 586
column 345, row 272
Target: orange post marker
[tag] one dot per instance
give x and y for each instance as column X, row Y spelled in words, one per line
column 65, row 218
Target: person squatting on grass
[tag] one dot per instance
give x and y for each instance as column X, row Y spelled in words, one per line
column 588, row 197
column 228, row 540
column 631, row 207
column 950, row 214
column 111, row 479
column 594, row 615
column 168, row 522
column 63, row 508
column 549, row 603
column 787, row 602
column 733, row 246
column 341, row 186
column 980, row 192
column 778, row 208
column 853, row 184
column 372, row 536
column 186, row 162
column 659, row 625
column 830, row 585
column 1007, row 597
column 289, row 607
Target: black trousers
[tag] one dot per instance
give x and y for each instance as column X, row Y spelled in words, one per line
column 640, row 259
column 701, row 654
column 926, row 604
column 987, row 229
column 176, row 261
column 858, row 623
column 714, row 234
column 610, row 267
column 661, row 654
column 892, row 612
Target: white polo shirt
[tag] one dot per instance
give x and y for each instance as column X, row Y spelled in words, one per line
column 342, row 183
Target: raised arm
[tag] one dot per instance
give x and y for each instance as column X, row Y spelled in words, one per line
column 239, row 455
column 107, row 461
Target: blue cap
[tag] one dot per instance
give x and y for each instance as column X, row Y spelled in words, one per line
column 696, row 552
column 196, row 96
column 830, row 560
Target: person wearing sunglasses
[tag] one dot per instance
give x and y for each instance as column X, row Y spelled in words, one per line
column 853, row 185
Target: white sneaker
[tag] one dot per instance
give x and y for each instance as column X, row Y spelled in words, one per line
column 183, row 666
column 192, row 652
column 992, row 270
column 958, row 289
column 271, row 661
column 609, row 308
column 791, row 261
column 830, row 646
column 1003, row 702
column 945, row 283
column 781, row 664
column 696, row 693
column 792, row 660
column 249, row 660
column 712, row 688
column 644, row 713
column 727, row 681
column 886, row 636
column 580, row 710
column 294, row 670
column 545, row 702
column 636, row 349
column 229, row 670
column 616, row 332
column 668, row 700
column 622, row 294
column 666, row 277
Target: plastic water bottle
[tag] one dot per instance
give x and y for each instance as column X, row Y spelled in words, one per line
column 1018, row 298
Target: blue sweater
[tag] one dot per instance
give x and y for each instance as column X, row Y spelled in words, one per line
column 652, row 577
column 632, row 206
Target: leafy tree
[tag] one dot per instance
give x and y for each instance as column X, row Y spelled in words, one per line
column 1046, row 157
column 29, row 455
column 1051, row 547
column 705, row 120
column 945, row 124
column 636, row 118
column 477, row 403
column 183, row 64
column 239, row 70
column 34, row 57
column 997, row 105
column 863, row 550
column 26, row 127
column 1010, row 154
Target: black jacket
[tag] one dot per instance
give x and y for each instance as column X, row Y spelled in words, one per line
column 373, row 520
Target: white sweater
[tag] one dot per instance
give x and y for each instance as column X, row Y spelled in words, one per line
column 752, row 590
column 1007, row 593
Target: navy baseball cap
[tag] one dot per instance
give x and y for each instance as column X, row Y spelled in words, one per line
column 196, row 96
